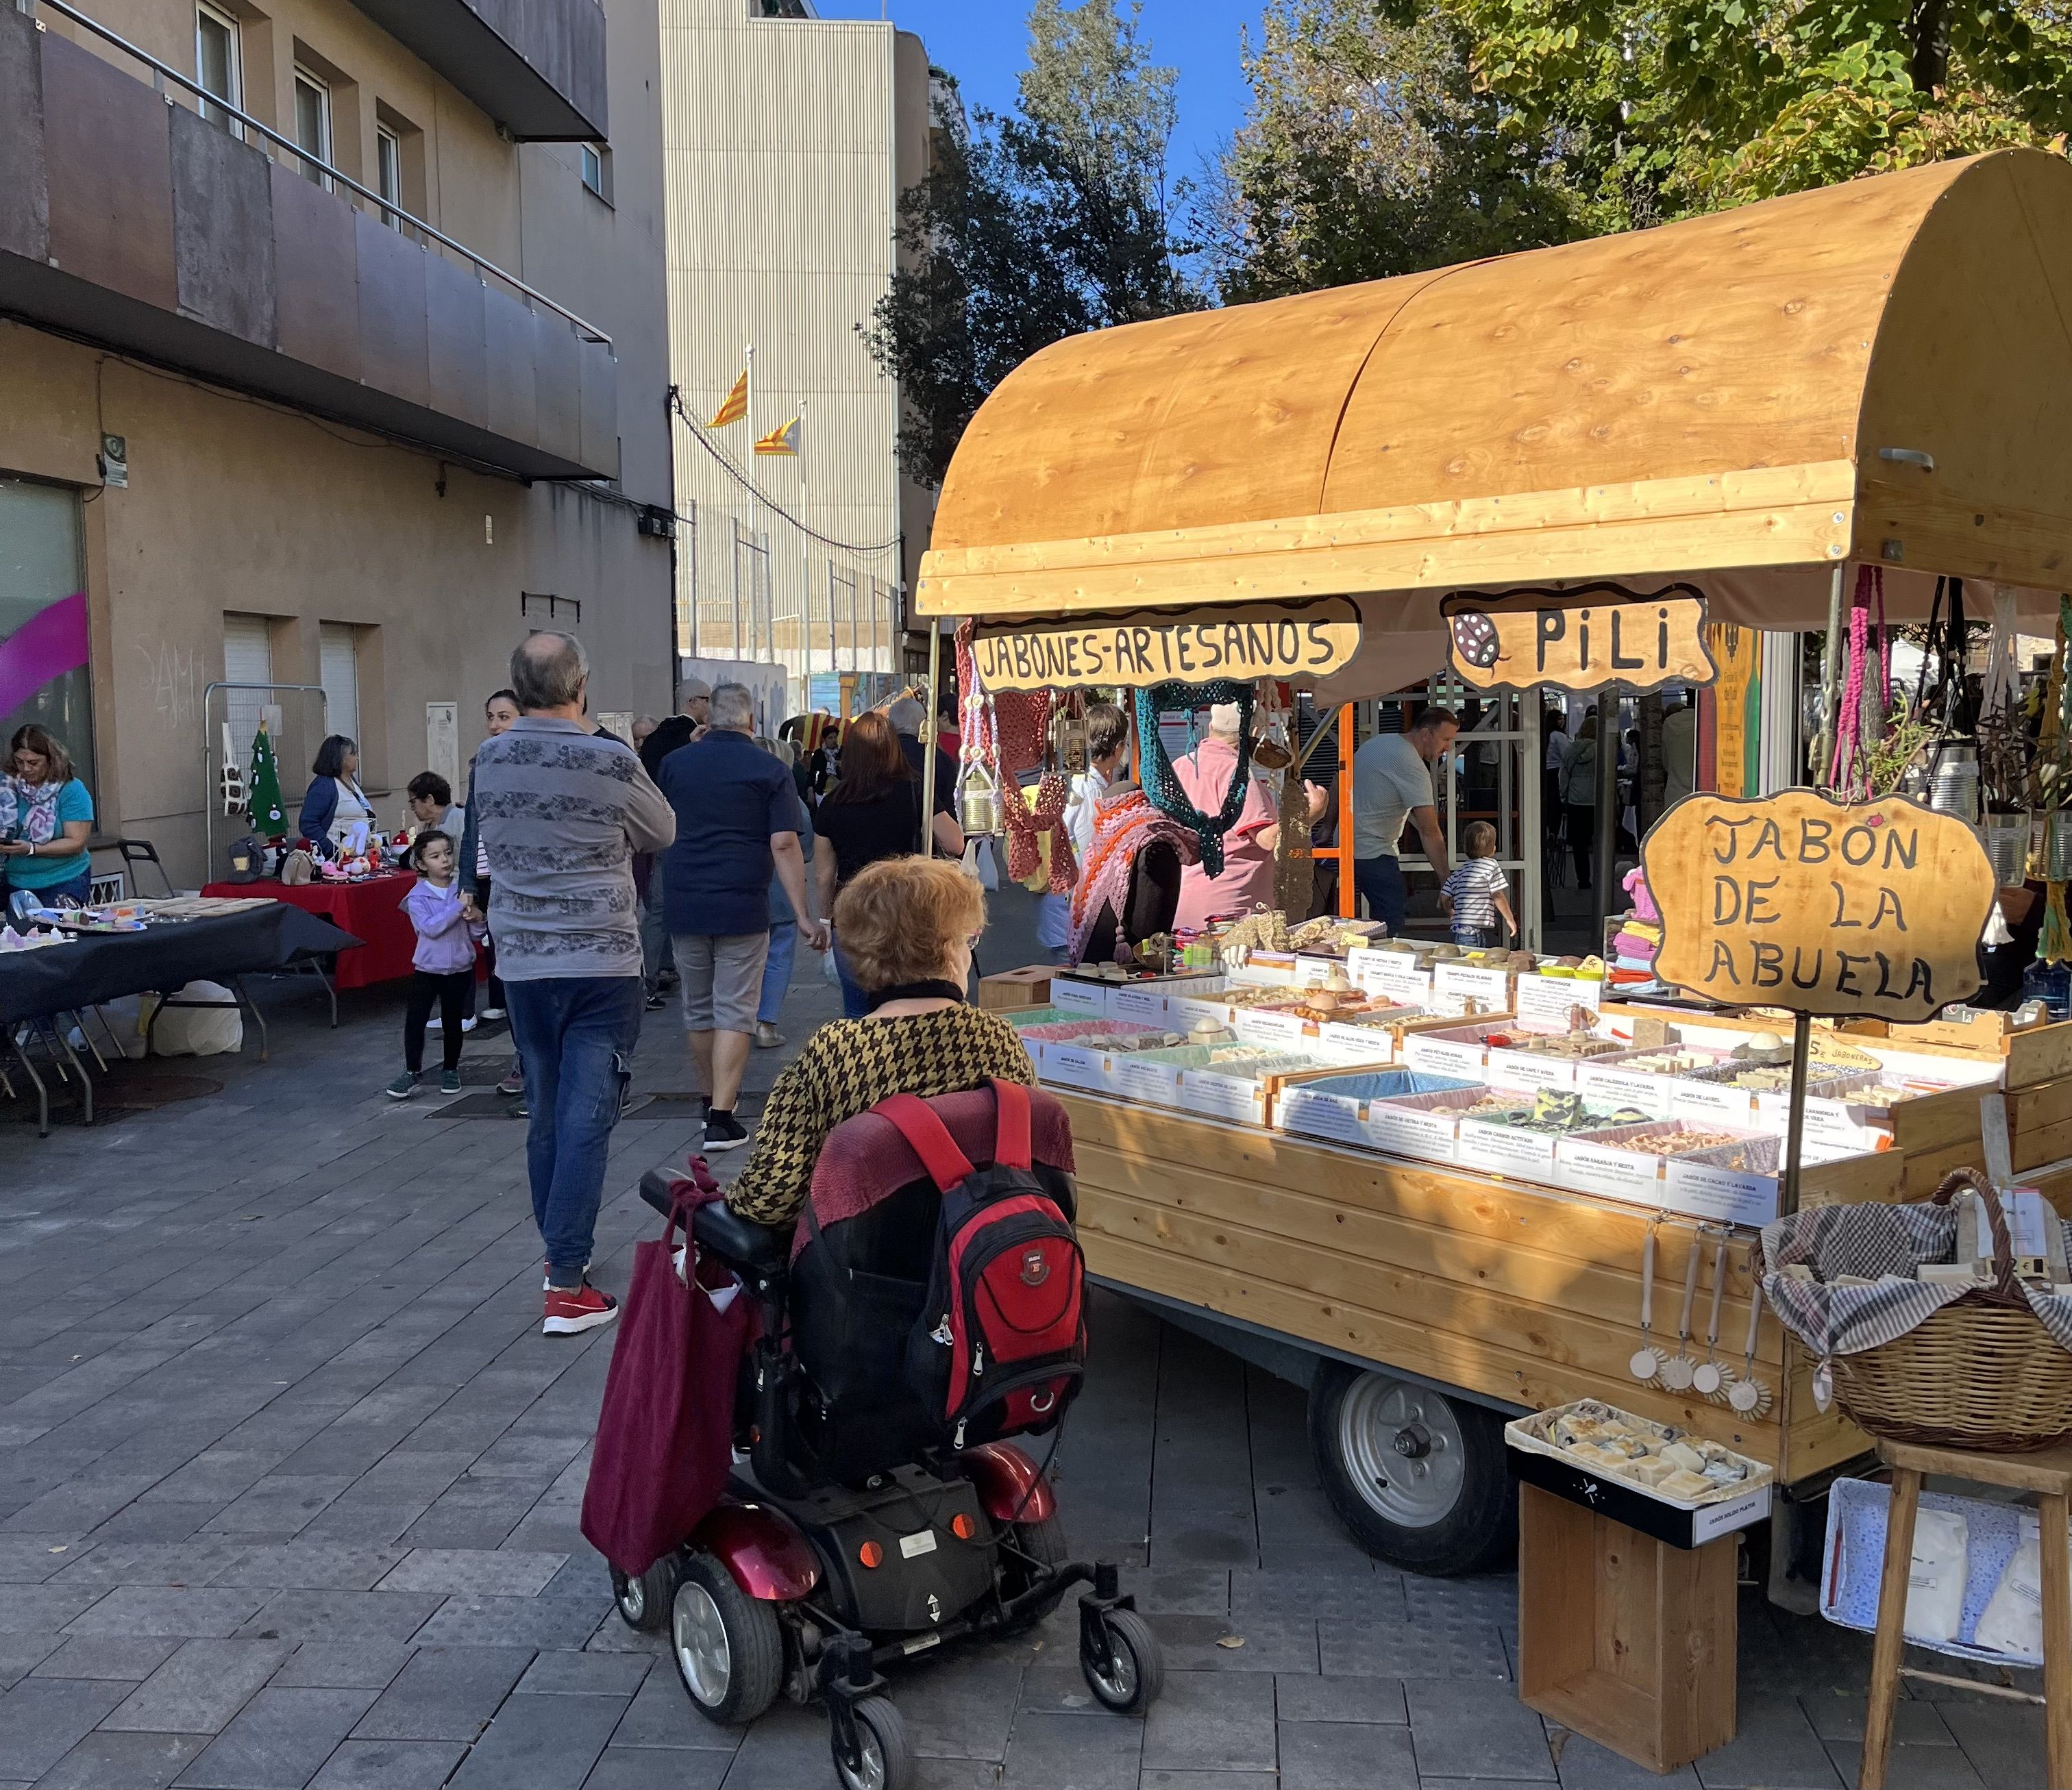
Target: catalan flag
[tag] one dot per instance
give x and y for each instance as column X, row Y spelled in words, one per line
column 736, row 406
column 783, row 440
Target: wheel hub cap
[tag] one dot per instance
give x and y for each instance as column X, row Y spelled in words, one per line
column 700, row 1637
column 1402, row 1447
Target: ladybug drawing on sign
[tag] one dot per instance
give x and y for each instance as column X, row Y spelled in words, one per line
column 1475, row 639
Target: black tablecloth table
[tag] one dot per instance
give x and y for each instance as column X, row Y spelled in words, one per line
column 161, row 960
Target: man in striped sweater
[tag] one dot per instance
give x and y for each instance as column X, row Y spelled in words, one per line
column 561, row 812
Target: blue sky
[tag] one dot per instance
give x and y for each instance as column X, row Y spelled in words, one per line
column 981, row 42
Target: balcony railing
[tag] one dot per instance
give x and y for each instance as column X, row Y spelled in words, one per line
column 386, row 209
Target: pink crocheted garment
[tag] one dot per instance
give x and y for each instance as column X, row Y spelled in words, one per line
column 1124, row 824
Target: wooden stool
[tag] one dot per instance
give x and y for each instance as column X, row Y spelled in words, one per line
column 2048, row 1473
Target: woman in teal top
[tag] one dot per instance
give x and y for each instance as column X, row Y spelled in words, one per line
column 45, row 818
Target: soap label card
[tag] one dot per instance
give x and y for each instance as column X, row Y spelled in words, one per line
column 1490, row 990
column 1444, row 1056
column 1283, row 1031
column 1222, row 1096
column 1548, row 1002
column 1145, row 1003
column 1073, row 995
column 1316, row 1114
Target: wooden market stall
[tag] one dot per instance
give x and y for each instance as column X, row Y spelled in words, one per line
column 1877, row 373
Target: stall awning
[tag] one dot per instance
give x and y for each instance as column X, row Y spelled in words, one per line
column 1877, row 372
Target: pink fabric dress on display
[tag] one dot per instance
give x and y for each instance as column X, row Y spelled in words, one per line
column 1246, row 878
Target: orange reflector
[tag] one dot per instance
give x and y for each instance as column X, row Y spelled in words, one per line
column 871, row 1554
column 963, row 1527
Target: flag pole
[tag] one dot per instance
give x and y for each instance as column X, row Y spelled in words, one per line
column 754, row 605
column 805, row 570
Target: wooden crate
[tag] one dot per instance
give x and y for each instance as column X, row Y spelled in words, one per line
column 1526, row 1295
column 1013, row 991
column 1623, row 1638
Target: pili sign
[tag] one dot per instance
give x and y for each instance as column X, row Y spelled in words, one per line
column 1258, row 640
column 1799, row 902
column 1578, row 644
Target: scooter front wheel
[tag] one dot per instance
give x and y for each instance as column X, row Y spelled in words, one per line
column 885, row 1758
column 643, row 1603
column 727, row 1646
column 1129, row 1679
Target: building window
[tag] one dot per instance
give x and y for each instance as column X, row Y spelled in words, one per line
column 219, row 65
column 312, row 123
column 338, row 656
column 388, row 172
column 597, row 169
column 43, row 600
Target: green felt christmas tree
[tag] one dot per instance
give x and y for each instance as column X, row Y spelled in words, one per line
column 264, row 784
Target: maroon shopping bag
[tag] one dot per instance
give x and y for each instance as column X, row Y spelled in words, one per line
column 665, row 1434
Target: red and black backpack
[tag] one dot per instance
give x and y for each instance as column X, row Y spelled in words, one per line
column 1001, row 1343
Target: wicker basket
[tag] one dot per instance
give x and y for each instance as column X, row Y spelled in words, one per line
column 1982, row 1373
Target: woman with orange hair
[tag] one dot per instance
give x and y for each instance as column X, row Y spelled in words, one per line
column 908, row 926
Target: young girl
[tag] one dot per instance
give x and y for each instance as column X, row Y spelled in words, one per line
column 1478, row 891
column 444, row 960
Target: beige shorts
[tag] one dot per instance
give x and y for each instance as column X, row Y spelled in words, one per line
column 721, row 977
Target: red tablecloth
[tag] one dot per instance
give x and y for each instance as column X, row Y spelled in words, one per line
column 371, row 911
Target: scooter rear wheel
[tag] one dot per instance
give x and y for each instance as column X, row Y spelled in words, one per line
column 1043, row 1542
column 727, row 1646
column 887, row 1761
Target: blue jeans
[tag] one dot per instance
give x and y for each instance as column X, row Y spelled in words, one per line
column 1379, row 881
column 50, row 894
column 777, row 971
column 575, row 1037
column 856, row 1004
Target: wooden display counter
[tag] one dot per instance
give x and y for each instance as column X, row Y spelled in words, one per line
column 1520, row 1294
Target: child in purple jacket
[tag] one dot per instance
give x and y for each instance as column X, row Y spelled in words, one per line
column 444, row 960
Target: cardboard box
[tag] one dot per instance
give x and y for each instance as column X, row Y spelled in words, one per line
column 1012, row 990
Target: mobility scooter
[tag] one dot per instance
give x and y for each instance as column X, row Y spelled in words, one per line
column 861, row 1526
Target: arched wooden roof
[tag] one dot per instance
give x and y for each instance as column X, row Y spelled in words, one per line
column 1711, row 395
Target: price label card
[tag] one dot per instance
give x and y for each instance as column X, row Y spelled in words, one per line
column 1222, row 1096
column 1128, row 1003
column 1317, row 1114
column 1285, row 1030
column 1549, row 1003
column 1074, row 995
column 1489, row 989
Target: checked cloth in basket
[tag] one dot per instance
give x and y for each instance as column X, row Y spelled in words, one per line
column 1869, row 1241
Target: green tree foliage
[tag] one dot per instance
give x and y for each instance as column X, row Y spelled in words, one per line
column 1370, row 149
column 1033, row 227
column 1679, row 106
column 1390, row 135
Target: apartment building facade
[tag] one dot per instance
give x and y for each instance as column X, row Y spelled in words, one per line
column 334, row 353
column 788, row 140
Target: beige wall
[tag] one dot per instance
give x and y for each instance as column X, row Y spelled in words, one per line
column 786, row 143
column 236, row 505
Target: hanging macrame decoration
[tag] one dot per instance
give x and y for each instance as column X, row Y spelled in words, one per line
column 2054, row 944
column 1860, row 724
column 1005, row 734
column 1161, row 782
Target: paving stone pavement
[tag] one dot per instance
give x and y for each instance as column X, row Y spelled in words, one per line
column 289, row 1484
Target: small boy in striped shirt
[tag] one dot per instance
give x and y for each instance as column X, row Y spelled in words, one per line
column 1477, row 892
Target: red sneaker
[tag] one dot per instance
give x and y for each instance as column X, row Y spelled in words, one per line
column 570, row 1312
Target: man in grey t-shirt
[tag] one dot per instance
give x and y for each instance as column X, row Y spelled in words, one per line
column 1392, row 784
column 561, row 811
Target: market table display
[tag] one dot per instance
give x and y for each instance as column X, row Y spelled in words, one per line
column 371, row 909
column 161, row 958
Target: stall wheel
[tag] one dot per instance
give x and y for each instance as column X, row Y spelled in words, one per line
column 881, row 1758
column 643, row 1603
column 1125, row 1666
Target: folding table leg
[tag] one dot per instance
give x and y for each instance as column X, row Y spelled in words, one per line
column 1888, row 1649
column 79, row 1019
column 237, row 983
column 43, row 1093
column 85, row 1080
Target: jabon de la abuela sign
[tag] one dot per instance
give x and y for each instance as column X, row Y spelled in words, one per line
column 1867, row 909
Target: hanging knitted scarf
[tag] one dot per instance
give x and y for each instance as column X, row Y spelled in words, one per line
column 1163, row 787
column 37, row 804
column 1124, row 824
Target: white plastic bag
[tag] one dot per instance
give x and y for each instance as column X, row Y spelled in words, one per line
column 1935, row 1581
column 199, row 1031
column 2013, row 1618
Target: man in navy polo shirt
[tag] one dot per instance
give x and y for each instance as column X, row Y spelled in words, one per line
column 737, row 822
